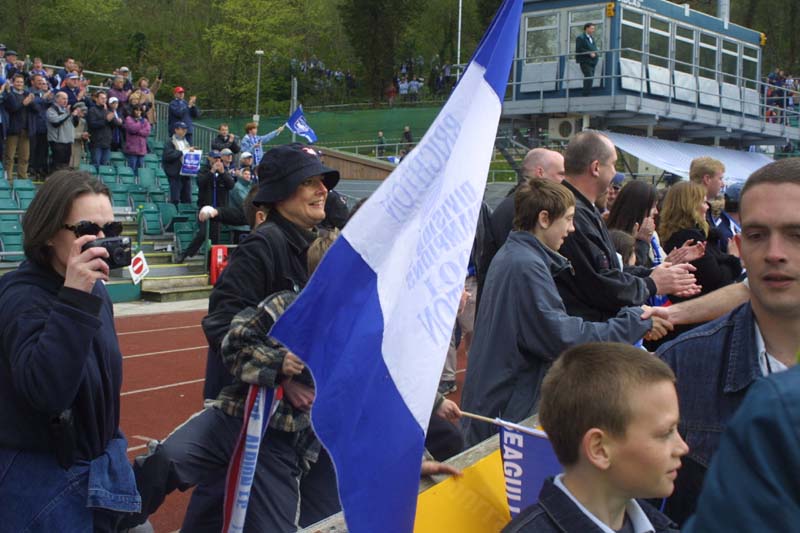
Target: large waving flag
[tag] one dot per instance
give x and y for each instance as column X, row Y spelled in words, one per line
column 374, row 323
column 297, row 123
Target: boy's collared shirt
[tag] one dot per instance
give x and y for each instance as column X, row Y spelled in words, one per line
column 638, row 520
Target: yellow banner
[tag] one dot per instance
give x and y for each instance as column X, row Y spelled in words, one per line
column 473, row 503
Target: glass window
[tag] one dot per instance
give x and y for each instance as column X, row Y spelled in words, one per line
column 729, row 68
column 659, row 49
column 750, row 52
column 750, row 73
column 541, row 38
column 710, row 40
column 730, row 46
column 684, row 56
column 632, row 42
column 685, row 33
column 658, row 24
column 633, row 17
column 708, row 62
column 577, row 19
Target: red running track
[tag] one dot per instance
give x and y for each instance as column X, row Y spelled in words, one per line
column 164, row 360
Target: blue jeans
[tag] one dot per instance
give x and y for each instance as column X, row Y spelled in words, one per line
column 100, row 156
column 135, row 162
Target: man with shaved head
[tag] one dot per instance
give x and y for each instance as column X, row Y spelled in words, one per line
column 538, row 163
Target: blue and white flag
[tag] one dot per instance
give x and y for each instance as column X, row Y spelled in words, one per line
column 528, row 459
column 297, row 123
column 374, row 322
column 190, row 165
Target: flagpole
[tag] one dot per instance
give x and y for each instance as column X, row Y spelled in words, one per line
column 293, row 104
column 504, row 423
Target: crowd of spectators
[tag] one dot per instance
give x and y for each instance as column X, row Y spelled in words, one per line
column 782, row 94
column 57, row 118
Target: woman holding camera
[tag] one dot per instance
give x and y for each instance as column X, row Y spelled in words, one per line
column 63, row 463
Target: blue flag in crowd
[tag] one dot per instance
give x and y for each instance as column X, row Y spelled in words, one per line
column 528, row 459
column 374, row 322
column 297, row 123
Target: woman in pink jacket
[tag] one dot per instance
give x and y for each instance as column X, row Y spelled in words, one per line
column 137, row 129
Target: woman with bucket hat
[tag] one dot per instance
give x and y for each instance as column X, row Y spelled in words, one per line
column 293, row 187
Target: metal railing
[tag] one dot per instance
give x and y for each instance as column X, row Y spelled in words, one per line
column 781, row 107
column 202, row 136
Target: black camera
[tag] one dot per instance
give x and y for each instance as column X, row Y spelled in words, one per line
column 119, row 250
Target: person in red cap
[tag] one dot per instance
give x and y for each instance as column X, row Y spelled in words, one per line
column 181, row 111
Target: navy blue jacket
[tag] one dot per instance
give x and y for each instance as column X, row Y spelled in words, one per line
column 17, row 113
column 555, row 512
column 715, row 364
column 752, row 484
column 179, row 111
column 58, row 350
column 583, row 49
column 521, row 327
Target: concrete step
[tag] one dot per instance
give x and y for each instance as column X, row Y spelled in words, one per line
column 164, row 269
column 177, row 294
column 174, row 282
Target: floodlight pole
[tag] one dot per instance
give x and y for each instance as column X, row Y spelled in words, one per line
column 458, row 45
column 260, row 54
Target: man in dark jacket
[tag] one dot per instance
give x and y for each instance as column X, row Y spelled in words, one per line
column 213, row 181
column 522, row 325
column 43, row 97
column 180, row 186
column 99, row 121
column 17, row 103
column 600, row 288
column 586, row 56
column 181, row 111
column 225, row 139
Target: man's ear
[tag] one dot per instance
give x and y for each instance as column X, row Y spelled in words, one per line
column 594, row 168
column 596, row 447
column 543, row 219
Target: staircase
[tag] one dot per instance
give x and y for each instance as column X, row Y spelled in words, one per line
column 167, row 281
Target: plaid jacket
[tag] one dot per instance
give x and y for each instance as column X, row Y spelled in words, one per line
column 255, row 358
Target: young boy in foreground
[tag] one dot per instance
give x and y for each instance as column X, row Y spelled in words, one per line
column 611, row 413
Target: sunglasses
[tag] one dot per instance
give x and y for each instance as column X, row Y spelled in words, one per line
column 86, row 227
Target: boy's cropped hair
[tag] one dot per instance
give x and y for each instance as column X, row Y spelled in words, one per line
column 537, row 195
column 776, row 173
column 588, row 387
column 702, row 166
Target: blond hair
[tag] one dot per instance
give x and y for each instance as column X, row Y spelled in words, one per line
column 680, row 212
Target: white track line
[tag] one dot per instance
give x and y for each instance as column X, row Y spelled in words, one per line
column 140, row 446
column 134, row 448
column 164, row 351
column 161, row 387
column 157, row 330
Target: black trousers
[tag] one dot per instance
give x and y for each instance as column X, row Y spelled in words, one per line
column 200, row 238
column 38, row 156
column 198, row 453
column 588, row 78
column 61, row 154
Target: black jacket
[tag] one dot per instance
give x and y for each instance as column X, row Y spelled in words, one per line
column 171, row 159
column 271, row 259
column 220, row 143
column 99, row 127
column 18, row 114
column 714, row 270
column 555, row 512
column 213, row 187
column 58, row 350
column 599, row 289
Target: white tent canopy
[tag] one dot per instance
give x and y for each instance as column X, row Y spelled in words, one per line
column 675, row 157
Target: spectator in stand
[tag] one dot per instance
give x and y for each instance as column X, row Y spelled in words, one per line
column 80, row 136
column 709, row 173
column 213, row 181
column 408, row 139
column 119, row 91
column 180, row 186
column 125, row 73
column 60, row 130
column 12, row 65
column 380, row 145
column 225, row 139
column 246, row 162
column 133, row 100
column 17, row 103
column 99, row 121
column 64, row 458
column 253, row 142
column 137, row 129
column 43, row 98
column 37, row 69
column 233, row 213
column 148, row 97
column 117, row 125
column 75, row 89
column 69, row 67
column 181, row 111
column 2, row 58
